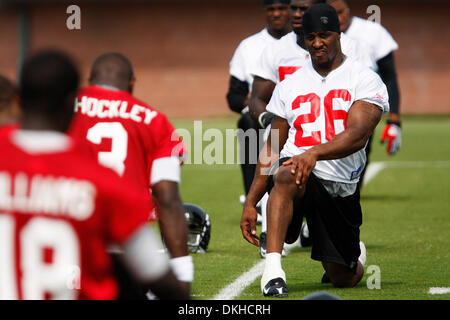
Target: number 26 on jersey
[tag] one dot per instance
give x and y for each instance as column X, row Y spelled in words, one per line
column 330, row 116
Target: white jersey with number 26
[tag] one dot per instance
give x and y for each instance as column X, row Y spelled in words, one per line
column 316, row 109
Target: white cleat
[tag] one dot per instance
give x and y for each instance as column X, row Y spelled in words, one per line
column 304, row 239
column 363, row 256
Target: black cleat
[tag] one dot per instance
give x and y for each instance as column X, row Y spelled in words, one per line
column 276, row 288
column 262, row 245
column 325, row 278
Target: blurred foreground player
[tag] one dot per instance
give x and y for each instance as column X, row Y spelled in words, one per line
column 140, row 144
column 241, row 80
column 60, row 210
column 9, row 106
column 323, row 114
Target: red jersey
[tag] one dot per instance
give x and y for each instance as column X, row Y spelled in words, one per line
column 59, row 210
column 127, row 133
column 8, row 128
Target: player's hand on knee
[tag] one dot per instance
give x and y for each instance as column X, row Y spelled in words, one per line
column 301, row 166
column 392, row 133
column 248, row 225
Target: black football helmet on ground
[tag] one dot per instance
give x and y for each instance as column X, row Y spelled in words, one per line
column 199, row 226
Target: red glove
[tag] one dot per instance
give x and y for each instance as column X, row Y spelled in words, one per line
column 393, row 134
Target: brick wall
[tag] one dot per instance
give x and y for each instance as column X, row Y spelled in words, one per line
column 181, row 49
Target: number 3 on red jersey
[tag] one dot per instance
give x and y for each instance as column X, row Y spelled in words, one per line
column 115, row 158
column 330, row 116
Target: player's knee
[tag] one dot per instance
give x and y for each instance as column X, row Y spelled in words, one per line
column 342, row 277
column 284, row 177
column 343, row 282
column 345, row 279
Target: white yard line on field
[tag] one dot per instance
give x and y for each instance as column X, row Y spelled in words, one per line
column 237, row 286
column 374, row 168
column 418, row 164
column 439, row 290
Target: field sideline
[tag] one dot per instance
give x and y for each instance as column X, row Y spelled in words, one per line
column 406, row 224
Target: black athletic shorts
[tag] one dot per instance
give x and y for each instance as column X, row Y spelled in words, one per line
column 333, row 222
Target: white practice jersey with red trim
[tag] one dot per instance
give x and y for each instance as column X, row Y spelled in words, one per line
column 285, row 57
column 372, row 34
column 247, row 55
column 316, row 109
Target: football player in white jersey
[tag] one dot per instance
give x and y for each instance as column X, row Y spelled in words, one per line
column 283, row 58
column 383, row 46
column 323, row 117
column 241, row 80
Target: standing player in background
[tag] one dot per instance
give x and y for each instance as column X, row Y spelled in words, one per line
column 9, row 106
column 60, row 210
column 140, row 144
column 383, row 46
column 241, row 79
column 324, row 115
column 281, row 59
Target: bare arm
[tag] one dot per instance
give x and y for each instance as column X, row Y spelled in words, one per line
column 172, row 222
column 262, row 90
column 270, row 153
column 145, row 261
column 168, row 288
column 362, row 119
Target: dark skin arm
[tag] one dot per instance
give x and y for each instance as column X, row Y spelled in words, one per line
column 172, row 222
column 268, row 155
column 362, row 119
column 168, row 288
column 262, row 90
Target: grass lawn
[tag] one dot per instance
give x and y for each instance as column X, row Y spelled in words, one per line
column 406, row 212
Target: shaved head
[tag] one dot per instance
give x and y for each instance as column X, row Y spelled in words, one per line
column 48, row 88
column 112, row 69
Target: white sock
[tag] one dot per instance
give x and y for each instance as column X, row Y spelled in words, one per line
column 363, row 256
column 264, row 201
column 272, row 269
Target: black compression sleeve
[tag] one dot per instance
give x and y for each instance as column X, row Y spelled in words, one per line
column 237, row 93
column 386, row 70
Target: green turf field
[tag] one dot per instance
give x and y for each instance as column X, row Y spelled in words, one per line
column 406, row 226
